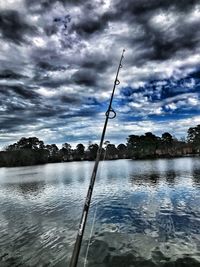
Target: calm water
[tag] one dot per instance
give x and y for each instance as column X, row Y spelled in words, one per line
column 145, row 213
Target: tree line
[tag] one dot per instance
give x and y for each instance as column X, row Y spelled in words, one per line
column 31, row 150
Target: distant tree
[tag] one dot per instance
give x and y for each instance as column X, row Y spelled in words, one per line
column 27, row 151
column 53, row 149
column 133, row 145
column 27, row 143
column 92, row 151
column 166, row 143
column 53, row 152
column 111, row 151
column 122, row 151
column 31, row 150
column 67, row 147
column 142, row 146
column 149, row 143
column 167, row 138
column 80, row 149
column 12, row 147
column 79, row 152
column 106, row 143
column 194, row 136
column 66, row 151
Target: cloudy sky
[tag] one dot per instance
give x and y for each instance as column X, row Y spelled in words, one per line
column 58, row 60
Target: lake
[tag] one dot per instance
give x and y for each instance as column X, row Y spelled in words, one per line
column 143, row 213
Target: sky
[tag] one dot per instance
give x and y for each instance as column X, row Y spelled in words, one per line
column 58, row 61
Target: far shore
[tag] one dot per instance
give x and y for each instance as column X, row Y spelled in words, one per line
column 30, row 151
column 111, row 159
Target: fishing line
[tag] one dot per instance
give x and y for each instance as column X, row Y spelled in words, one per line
column 89, row 241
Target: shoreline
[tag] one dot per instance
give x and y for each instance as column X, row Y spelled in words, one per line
column 133, row 159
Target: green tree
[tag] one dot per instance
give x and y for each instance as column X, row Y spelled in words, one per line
column 194, row 137
column 53, row 153
column 80, row 149
column 27, row 151
column 149, row 143
column 92, row 151
column 133, row 145
column 27, row 143
column 142, row 146
column 166, row 142
column 80, row 152
column 66, row 151
column 167, row 138
column 111, row 151
column 122, row 151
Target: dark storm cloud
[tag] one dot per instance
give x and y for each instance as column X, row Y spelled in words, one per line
column 19, row 90
column 13, row 27
column 47, row 55
column 89, row 21
column 14, row 122
column 70, row 99
column 90, row 24
column 19, row 107
column 165, row 46
column 84, row 77
column 143, row 7
column 40, row 7
column 157, row 43
column 48, row 3
column 58, row 23
column 9, row 74
column 52, row 83
column 20, row 98
column 46, row 66
column 48, row 111
column 95, row 64
column 153, row 43
column 98, row 62
column 22, row 114
column 22, row 106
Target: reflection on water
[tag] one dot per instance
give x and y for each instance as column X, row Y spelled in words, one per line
column 147, row 214
column 196, row 177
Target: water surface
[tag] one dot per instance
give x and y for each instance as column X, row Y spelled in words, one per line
column 143, row 213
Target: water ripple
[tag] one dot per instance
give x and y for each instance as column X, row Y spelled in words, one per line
column 147, row 213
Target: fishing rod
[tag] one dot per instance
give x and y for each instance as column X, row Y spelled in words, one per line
column 110, row 114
